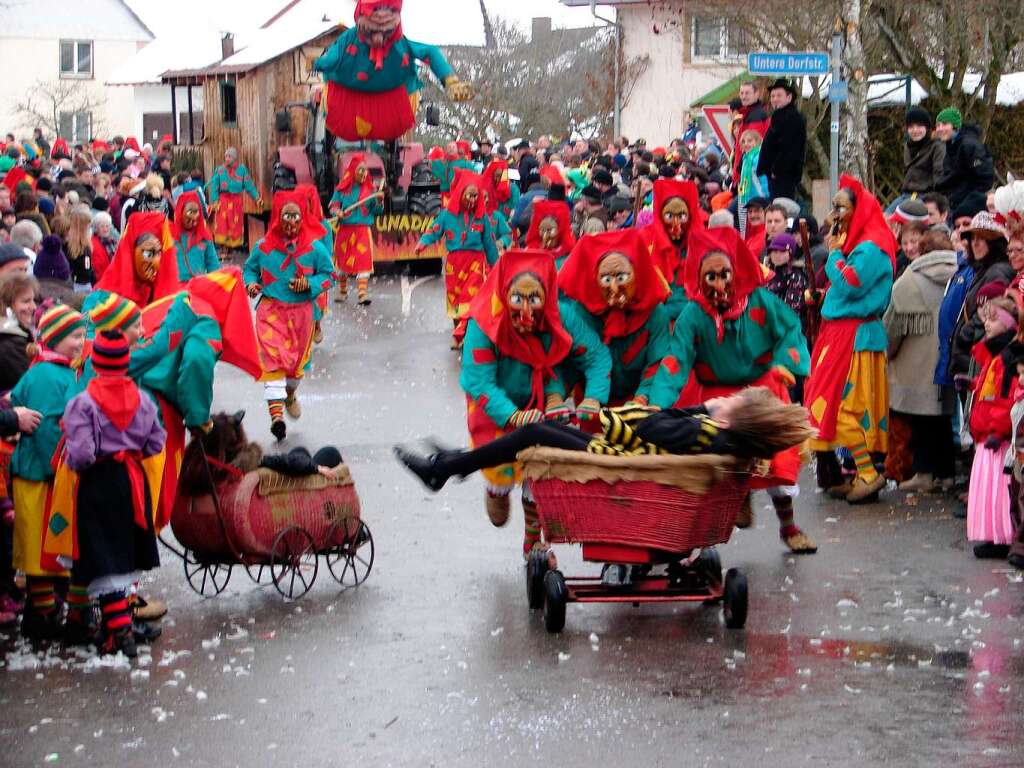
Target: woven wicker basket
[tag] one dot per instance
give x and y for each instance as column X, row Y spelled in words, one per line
column 668, row 503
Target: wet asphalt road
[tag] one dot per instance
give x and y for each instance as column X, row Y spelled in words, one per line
column 892, row 646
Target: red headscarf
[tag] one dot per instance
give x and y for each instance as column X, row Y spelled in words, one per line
column 348, row 179
column 665, row 253
column 198, row 235
column 132, row 143
column 747, row 273
column 578, row 280
column 463, row 179
column 490, row 312
column 275, row 240
column 14, row 177
column 312, row 211
column 559, row 211
column 500, row 192
column 552, row 174
column 120, row 277
column 366, row 8
column 868, row 221
column 61, row 146
column 465, row 149
column 436, row 153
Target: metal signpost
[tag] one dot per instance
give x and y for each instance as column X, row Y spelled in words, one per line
column 805, row 65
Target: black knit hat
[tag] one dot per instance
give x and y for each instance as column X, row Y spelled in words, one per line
column 556, row 192
column 601, row 176
column 919, row 116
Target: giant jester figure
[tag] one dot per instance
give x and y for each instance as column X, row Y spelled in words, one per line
column 372, row 80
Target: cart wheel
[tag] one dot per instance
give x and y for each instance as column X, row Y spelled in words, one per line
column 351, row 561
column 293, row 562
column 207, row 579
column 260, row 574
column 536, row 568
column 555, row 598
column 711, row 563
column 735, row 600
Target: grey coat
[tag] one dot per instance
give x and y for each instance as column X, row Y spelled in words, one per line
column 912, row 326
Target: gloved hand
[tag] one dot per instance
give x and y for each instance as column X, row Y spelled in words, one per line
column 201, row 430
column 255, row 289
column 640, row 401
column 522, row 418
column 588, row 410
column 558, row 411
column 299, row 284
column 993, row 443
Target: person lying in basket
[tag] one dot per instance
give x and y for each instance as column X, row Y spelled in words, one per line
column 751, row 424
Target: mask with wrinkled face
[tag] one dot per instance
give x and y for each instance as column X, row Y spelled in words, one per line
column 291, row 220
column 470, row 196
column 360, row 174
column 147, row 258
column 548, row 229
column 190, row 217
column 526, row 299
column 377, row 28
column 716, row 280
column 617, row 278
column 842, row 213
column 675, row 215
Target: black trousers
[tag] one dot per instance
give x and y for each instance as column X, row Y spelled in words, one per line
column 931, row 444
column 548, row 434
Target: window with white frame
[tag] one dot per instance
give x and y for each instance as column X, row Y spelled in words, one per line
column 713, row 37
column 76, row 126
column 76, row 58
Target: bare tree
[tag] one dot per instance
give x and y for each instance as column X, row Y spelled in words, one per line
column 45, row 102
column 853, row 154
column 958, row 52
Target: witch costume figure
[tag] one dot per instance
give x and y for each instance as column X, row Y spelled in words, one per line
column 677, row 213
column 847, row 393
column 197, row 255
column 469, row 243
column 515, row 344
column 733, row 333
column 372, row 75
column 224, row 190
column 502, row 193
column 288, row 269
column 613, row 296
column 355, row 204
column 551, row 230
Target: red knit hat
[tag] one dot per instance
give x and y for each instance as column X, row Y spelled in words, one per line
column 111, row 354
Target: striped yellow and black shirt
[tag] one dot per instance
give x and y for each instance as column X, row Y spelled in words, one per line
column 628, row 431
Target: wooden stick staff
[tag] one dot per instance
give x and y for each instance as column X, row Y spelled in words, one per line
column 359, row 203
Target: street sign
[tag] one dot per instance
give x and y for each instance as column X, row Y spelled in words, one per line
column 720, row 120
column 839, row 92
column 768, row 63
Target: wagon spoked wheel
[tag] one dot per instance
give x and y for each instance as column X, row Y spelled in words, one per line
column 206, row 579
column 351, row 561
column 259, row 573
column 293, row 562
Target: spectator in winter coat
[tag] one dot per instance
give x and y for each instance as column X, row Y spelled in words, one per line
column 986, row 244
column 923, row 156
column 785, row 144
column 968, row 165
column 751, row 116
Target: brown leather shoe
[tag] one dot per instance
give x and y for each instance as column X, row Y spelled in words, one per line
column 800, row 543
column 745, row 516
column 148, row 609
column 840, row 491
column 498, row 510
column 864, row 492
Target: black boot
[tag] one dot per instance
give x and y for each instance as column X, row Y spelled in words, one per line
column 428, row 469
column 829, row 472
column 989, row 551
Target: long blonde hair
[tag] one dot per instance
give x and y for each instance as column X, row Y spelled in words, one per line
column 765, row 425
column 79, row 239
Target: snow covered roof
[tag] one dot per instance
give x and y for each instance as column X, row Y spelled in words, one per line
column 79, row 20
column 200, row 49
column 299, row 23
column 891, row 90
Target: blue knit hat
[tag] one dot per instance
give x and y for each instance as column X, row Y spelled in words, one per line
column 51, row 263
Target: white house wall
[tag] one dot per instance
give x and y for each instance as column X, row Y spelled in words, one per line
column 24, row 62
column 658, row 108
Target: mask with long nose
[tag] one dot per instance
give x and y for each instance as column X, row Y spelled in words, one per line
column 549, row 234
column 291, row 220
column 675, row 215
column 617, row 278
column 378, row 27
column 716, row 280
column 190, row 217
column 526, row 299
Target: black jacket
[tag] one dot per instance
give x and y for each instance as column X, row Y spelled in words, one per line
column 923, row 165
column 971, row 328
column 783, row 151
column 967, row 167
column 8, row 419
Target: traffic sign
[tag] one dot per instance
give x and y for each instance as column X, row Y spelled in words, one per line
column 839, row 92
column 720, row 119
column 768, row 63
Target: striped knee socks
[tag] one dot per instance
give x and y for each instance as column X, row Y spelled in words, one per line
column 531, row 531
column 42, row 596
column 862, row 459
column 276, row 408
column 117, row 616
column 79, row 604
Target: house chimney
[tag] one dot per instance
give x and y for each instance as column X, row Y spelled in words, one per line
column 227, row 46
column 541, row 28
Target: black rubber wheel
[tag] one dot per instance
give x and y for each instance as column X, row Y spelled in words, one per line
column 536, row 569
column 555, row 598
column 350, row 560
column 205, row 578
column 711, row 563
column 735, row 599
column 293, row 562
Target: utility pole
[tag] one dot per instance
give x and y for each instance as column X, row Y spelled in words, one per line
column 617, row 118
column 837, row 77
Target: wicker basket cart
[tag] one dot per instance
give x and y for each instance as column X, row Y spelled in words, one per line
column 641, row 511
